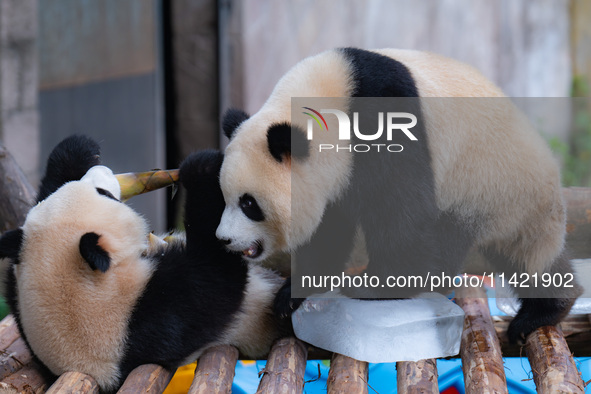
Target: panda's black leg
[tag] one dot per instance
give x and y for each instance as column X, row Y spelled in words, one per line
column 284, row 305
column 535, row 313
column 68, row 161
column 325, row 255
column 540, row 305
column 199, row 174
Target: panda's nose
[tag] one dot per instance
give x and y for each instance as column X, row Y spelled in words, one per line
column 225, row 241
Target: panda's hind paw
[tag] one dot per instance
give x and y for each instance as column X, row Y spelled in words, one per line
column 520, row 328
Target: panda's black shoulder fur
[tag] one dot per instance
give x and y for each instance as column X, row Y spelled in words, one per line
column 194, row 293
column 377, row 75
column 400, row 186
column 69, row 161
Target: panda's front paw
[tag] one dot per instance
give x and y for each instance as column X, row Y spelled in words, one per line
column 201, row 166
column 284, row 305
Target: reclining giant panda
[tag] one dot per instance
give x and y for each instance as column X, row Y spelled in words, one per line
column 90, row 294
column 476, row 174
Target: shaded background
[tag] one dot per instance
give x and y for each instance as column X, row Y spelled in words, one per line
column 150, row 78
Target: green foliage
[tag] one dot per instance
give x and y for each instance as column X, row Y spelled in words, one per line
column 576, row 154
column 4, row 310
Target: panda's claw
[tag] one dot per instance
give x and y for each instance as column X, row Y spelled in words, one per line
column 284, row 305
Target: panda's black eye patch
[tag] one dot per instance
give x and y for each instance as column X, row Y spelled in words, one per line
column 251, row 209
column 106, row 193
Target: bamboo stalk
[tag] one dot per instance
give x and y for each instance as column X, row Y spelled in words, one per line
column 482, row 361
column 74, row 382
column 286, row 364
column 551, row 362
column 135, row 183
column 347, row 375
column 417, row 377
column 146, row 378
column 215, row 371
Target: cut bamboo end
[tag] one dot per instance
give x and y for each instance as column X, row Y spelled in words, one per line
column 135, row 183
column 74, row 382
column 480, row 350
column 417, row 377
column 146, row 378
column 215, row 371
column 286, row 364
column 347, row 375
column 551, row 362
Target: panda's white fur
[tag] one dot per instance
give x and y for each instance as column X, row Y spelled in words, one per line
column 74, row 318
column 490, row 169
column 496, row 153
column 153, row 302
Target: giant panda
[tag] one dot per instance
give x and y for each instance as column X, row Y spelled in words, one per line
column 91, row 294
column 476, row 177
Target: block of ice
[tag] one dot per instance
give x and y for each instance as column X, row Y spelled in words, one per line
column 508, row 303
column 428, row 326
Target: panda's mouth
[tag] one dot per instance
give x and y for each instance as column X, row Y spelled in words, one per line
column 254, row 251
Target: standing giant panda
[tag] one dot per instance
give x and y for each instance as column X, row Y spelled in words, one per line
column 90, row 294
column 475, row 175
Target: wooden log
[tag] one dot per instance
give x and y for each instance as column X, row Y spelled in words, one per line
column 25, row 380
column 417, row 377
column 74, row 382
column 347, row 375
column 16, row 193
column 551, row 362
column 146, row 378
column 482, row 361
column 14, row 357
column 8, row 332
column 215, row 371
column 576, row 330
column 286, row 364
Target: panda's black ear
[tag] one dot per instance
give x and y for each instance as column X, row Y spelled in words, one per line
column 232, row 119
column 10, row 244
column 69, row 161
column 96, row 257
column 285, row 144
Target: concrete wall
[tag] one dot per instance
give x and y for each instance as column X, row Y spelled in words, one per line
column 19, row 118
column 101, row 75
column 521, row 45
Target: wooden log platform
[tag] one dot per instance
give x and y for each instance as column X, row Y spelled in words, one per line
column 148, row 378
column 554, row 370
column 215, row 371
column 347, row 375
column 482, row 361
column 552, row 363
column 417, row 377
column 286, row 364
column 74, row 382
